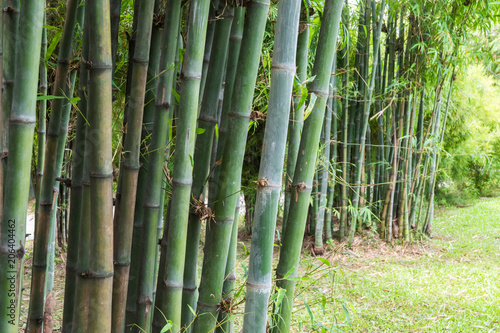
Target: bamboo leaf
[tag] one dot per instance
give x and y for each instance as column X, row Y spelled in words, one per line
column 53, row 45
column 325, row 261
column 308, row 310
column 167, row 327
column 346, row 314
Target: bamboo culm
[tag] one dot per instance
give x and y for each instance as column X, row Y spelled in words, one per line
column 21, row 126
column 259, row 282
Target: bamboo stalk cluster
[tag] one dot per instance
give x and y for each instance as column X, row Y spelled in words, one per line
column 357, row 93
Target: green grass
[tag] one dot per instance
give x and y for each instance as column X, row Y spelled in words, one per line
column 450, row 283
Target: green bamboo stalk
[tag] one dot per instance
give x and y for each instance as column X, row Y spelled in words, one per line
column 80, row 322
column 10, row 24
column 42, row 122
column 161, row 134
column 49, row 185
column 332, row 172
column 132, row 285
column 20, row 144
column 202, row 156
column 324, row 170
column 364, row 128
column 231, row 66
column 297, row 114
column 213, row 15
column 344, row 55
column 3, row 123
column 158, row 319
column 61, row 147
column 75, row 316
column 225, row 322
column 124, row 303
column 153, row 197
column 125, row 204
column 258, row 283
column 379, row 168
column 76, row 200
column 116, row 7
column 219, row 228
column 304, row 170
column 362, row 56
column 100, row 167
column 183, row 159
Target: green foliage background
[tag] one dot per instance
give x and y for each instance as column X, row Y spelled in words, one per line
column 471, row 148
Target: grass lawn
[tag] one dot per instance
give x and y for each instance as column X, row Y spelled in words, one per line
column 450, row 283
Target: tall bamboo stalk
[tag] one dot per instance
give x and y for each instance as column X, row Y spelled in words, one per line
column 203, row 152
column 344, row 55
column 271, row 167
column 324, row 168
column 184, row 151
column 213, row 14
column 17, row 176
column 231, row 66
column 100, row 166
column 61, row 148
column 75, row 316
column 297, row 115
column 125, row 204
column 332, row 106
column 76, row 200
column 161, row 133
column 304, row 170
column 226, row 324
column 42, row 122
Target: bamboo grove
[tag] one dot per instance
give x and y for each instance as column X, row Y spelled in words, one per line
column 138, row 115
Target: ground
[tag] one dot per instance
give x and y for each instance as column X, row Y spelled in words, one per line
column 450, row 283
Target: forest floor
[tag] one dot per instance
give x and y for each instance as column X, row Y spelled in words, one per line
column 450, row 283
